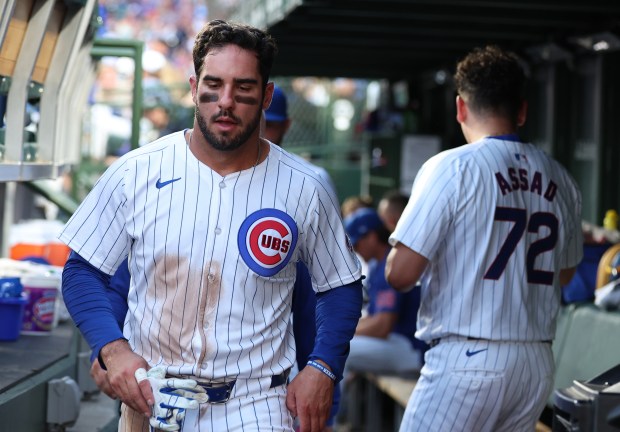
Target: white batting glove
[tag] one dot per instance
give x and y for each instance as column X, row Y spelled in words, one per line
column 173, row 396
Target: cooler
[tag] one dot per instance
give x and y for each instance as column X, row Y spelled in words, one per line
column 38, row 239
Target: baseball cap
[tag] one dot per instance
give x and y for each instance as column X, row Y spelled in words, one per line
column 361, row 222
column 277, row 111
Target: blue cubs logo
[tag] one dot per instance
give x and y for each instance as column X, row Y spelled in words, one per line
column 266, row 241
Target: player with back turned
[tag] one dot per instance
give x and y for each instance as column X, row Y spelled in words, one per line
column 213, row 221
column 493, row 229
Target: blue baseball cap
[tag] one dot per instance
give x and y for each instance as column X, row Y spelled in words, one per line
column 361, row 222
column 277, row 111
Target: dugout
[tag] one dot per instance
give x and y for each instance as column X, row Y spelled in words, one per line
column 49, row 49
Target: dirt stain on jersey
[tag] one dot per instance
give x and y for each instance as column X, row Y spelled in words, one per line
column 186, row 302
column 209, row 299
column 177, row 295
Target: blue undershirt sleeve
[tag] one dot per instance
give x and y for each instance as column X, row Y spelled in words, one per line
column 337, row 313
column 84, row 292
column 118, row 291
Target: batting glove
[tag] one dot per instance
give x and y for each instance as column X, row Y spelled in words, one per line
column 173, row 396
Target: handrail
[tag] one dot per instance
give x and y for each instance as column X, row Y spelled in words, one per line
column 61, row 199
column 103, row 47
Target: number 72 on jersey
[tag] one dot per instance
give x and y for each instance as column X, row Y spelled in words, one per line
column 522, row 224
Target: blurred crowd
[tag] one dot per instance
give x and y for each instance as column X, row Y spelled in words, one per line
column 167, row 29
column 166, row 26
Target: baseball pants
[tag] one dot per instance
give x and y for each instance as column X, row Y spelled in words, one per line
column 479, row 385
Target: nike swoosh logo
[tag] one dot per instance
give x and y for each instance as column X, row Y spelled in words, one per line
column 160, row 184
column 469, row 353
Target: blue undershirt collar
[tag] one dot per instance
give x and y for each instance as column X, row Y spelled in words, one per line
column 506, row 137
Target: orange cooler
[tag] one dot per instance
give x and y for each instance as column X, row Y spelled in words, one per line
column 55, row 253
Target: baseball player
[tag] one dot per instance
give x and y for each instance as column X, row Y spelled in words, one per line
column 391, row 207
column 213, row 221
column 492, row 228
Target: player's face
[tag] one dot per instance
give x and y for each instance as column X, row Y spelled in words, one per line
column 363, row 247
column 274, row 131
column 229, row 98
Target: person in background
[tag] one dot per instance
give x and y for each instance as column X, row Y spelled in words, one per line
column 155, row 120
column 349, row 205
column 592, row 273
column 277, row 123
column 384, row 339
column 355, row 202
column 212, row 244
column 391, row 207
column 493, row 229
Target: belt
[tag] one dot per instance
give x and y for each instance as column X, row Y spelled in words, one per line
column 219, row 393
column 435, row 342
column 280, row 379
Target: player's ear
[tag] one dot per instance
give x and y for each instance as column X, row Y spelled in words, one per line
column 193, row 83
column 522, row 115
column 461, row 109
column 268, row 95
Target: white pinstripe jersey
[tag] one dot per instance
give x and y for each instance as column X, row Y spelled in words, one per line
column 212, row 258
column 497, row 220
column 320, row 172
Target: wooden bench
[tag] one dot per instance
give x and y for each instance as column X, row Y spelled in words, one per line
column 376, row 402
column 398, row 388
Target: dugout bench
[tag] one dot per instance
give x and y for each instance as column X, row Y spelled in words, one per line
column 377, row 401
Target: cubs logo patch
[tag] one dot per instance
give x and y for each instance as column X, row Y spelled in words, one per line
column 266, row 240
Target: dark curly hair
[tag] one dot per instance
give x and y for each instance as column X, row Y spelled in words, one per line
column 219, row 33
column 492, row 81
